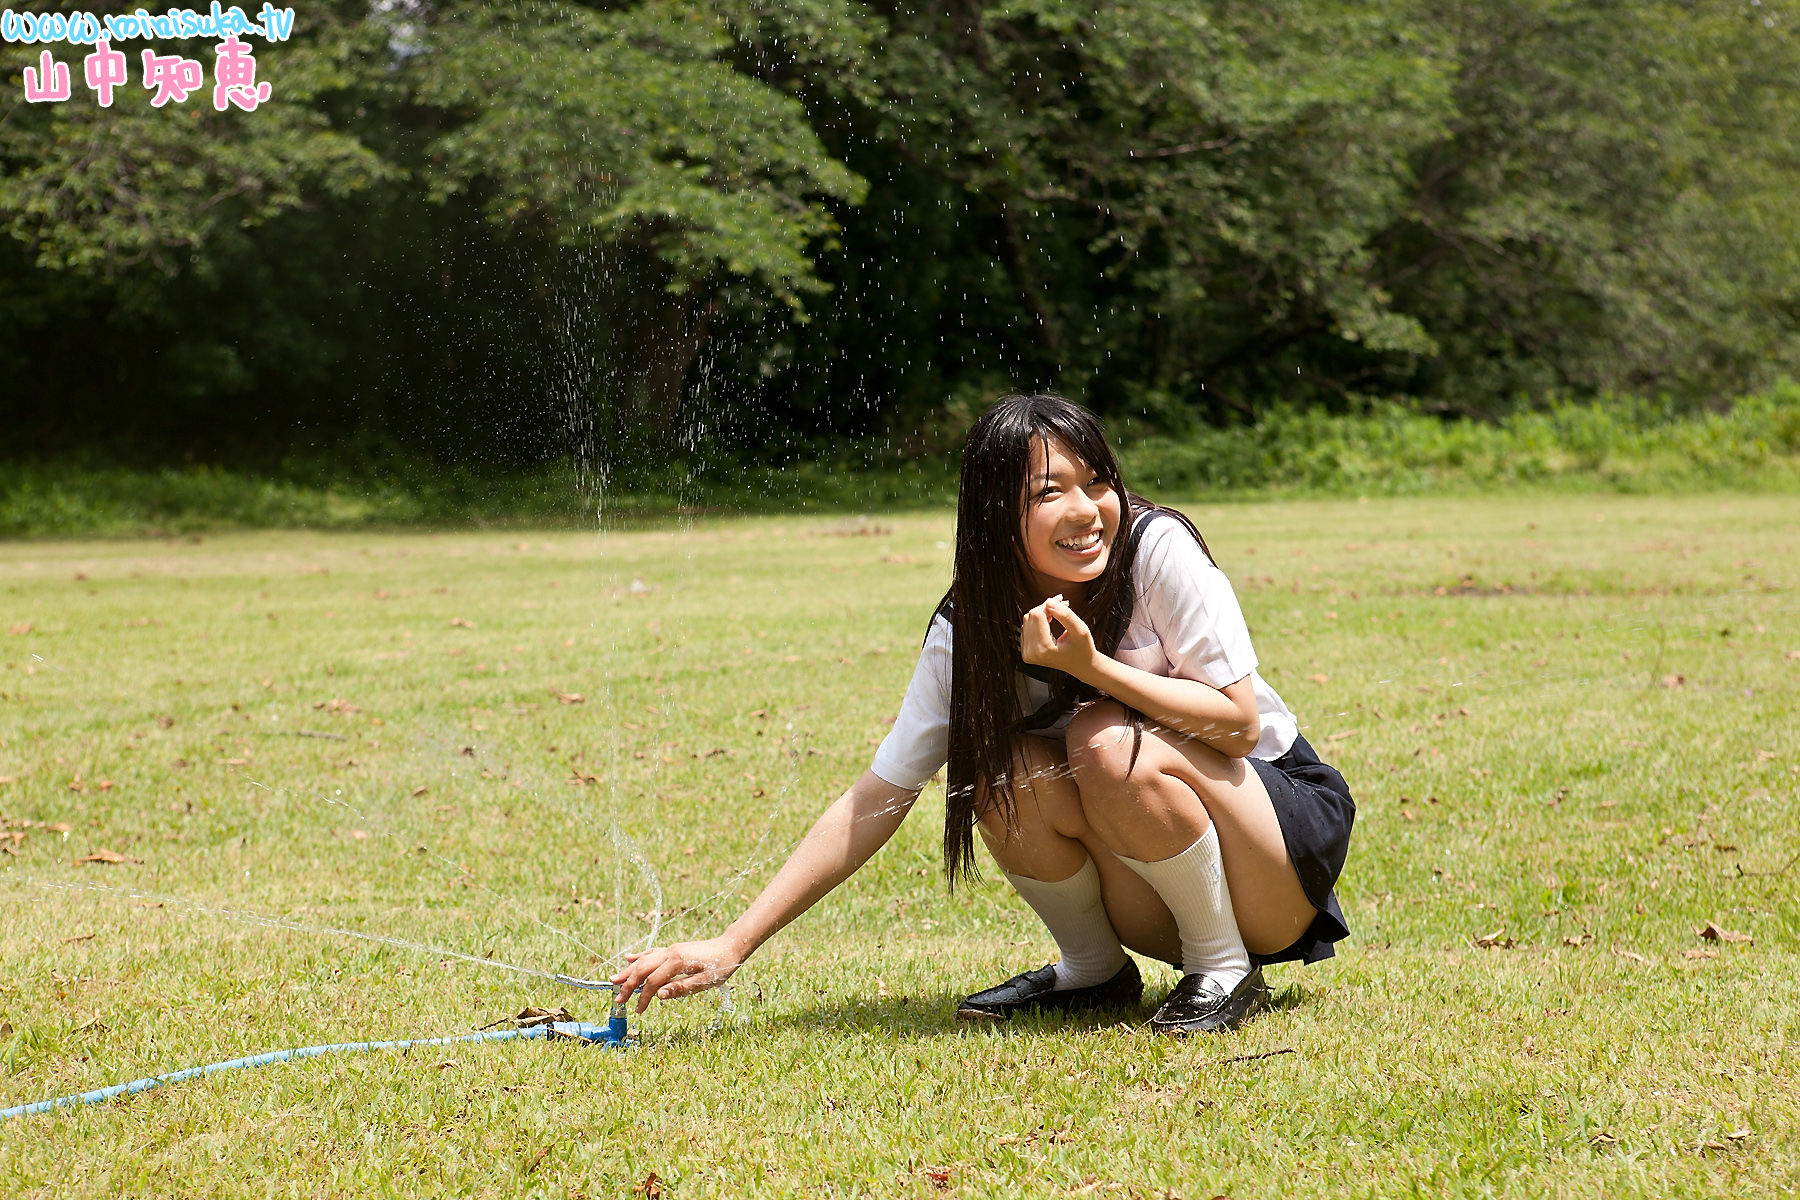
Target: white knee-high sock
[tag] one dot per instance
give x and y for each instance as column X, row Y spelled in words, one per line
column 1192, row 884
column 1076, row 917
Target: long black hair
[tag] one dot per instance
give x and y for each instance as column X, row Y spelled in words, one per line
column 991, row 590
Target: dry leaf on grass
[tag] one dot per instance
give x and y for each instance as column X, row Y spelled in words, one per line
column 111, row 857
column 577, row 775
column 938, row 1177
column 650, row 1189
column 462, row 623
column 1633, row 955
column 1497, row 940
column 23, row 627
column 1699, row 954
column 529, row 1016
column 1711, row 932
column 1053, row 1136
column 571, row 698
column 421, row 791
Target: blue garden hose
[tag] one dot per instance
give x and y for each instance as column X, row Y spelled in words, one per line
column 612, row 1033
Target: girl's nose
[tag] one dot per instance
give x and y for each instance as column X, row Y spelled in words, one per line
column 1083, row 505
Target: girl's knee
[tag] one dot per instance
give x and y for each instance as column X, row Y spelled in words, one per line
column 1101, row 740
column 1128, row 782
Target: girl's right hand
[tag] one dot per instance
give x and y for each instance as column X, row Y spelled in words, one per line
column 670, row 972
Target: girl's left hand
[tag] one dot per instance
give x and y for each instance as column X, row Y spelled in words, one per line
column 1072, row 652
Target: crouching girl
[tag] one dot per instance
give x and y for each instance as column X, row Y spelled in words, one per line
column 1090, row 682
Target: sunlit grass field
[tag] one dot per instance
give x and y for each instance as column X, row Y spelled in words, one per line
column 231, row 765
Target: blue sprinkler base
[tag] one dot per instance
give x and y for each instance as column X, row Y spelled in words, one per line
column 613, row 1033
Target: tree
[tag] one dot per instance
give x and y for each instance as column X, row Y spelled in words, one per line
column 99, row 191
column 1130, row 200
column 628, row 135
column 1610, row 207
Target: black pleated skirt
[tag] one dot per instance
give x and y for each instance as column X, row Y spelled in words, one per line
column 1313, row 804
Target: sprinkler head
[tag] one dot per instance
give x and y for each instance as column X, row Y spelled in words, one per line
column 615, row 1021
column 615, row 1031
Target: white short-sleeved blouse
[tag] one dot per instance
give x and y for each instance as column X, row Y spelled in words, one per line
column 1185, row 624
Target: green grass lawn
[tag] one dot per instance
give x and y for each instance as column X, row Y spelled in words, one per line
column 1570, row 723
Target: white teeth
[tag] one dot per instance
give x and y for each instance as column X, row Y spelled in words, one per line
column 1082, row 542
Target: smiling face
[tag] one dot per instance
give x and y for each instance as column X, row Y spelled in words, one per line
column 1071, row 516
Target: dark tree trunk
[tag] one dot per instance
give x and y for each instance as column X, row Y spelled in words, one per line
column 654, row 337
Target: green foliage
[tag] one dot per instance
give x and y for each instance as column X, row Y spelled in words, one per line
column 1609, row 208
column 624, row 229
column 1625, row 445
column 1134, row 194
column 687, row 178
column 658, row 144
column 98, row 191
column 1621, row 444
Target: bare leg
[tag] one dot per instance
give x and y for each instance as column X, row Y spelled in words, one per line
column 1051, row 840
column 1160, row 807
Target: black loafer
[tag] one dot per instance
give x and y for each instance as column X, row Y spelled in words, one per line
column 1035, row 991
column 1198, row 1005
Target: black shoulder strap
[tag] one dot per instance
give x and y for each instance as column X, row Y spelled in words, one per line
column 1146, row 515
column 946, row 610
